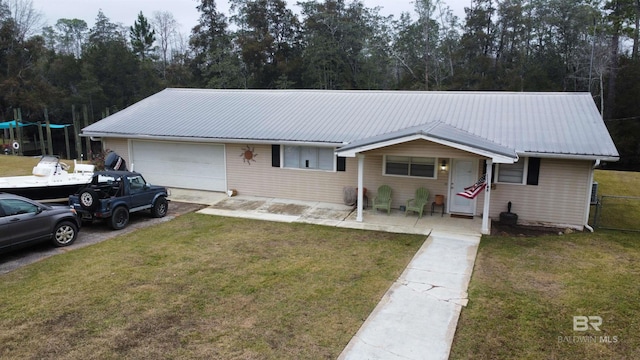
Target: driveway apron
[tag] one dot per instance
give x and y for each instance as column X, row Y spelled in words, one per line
column 417, row 317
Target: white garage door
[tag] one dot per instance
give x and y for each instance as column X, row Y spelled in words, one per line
column 181, row 165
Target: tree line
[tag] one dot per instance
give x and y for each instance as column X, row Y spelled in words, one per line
column 503, row 45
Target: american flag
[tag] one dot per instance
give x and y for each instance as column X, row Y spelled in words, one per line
column 472, row 191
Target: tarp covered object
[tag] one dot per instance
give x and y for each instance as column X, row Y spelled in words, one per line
column 12, row 123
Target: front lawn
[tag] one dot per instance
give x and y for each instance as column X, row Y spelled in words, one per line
column 525, row 292
column 202, row 287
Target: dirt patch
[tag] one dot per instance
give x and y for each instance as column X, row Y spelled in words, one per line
column 237, row 204
column 499, row 229
column 287, row 209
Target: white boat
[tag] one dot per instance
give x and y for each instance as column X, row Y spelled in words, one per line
column 51, row 180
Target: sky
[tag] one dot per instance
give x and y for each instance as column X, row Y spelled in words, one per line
column 184, row 11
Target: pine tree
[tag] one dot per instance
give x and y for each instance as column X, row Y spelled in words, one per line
column 142, row 37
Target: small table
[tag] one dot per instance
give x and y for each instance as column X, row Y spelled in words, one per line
column 438, row 201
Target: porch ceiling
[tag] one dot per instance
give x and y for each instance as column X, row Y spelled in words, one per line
column 437, row 132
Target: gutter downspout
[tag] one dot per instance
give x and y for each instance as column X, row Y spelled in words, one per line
column 486, row 225
column 589, row 186
column 360, row 186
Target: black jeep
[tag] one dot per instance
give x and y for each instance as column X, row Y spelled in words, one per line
column 113, row 195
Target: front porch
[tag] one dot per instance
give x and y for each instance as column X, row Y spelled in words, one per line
column 328, row 214
column 397, row 221
column 436, row 156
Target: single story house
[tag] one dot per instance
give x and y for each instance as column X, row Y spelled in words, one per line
column 539, row 150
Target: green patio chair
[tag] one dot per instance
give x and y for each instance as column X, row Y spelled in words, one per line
column 417, row 204
column 383, row 199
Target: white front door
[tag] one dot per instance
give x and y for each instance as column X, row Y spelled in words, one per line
column 464, row 173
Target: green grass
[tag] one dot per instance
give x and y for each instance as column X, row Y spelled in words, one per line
column 621, row 212
column 618, row 182
column 524, row 292
column 202, row 287
column 11, row 165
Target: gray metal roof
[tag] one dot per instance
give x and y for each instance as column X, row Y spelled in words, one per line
column 436, row 131
column 540, row 123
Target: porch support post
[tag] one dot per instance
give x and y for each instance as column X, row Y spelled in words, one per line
column 360, row 186
column 486, row 226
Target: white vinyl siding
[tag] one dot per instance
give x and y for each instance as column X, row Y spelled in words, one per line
column 120, row 146
column 262, row 179
column 559, row 198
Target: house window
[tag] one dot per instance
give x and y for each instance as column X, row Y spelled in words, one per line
column 410, row 166
column 512, row 173
column 309, row 157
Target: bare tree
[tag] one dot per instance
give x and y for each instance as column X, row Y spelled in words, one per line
column 28, row 21
column 180, row 47
column 165, row 26
column 425, row 10
column 72, row 35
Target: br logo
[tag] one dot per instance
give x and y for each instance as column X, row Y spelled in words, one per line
column 582, row 323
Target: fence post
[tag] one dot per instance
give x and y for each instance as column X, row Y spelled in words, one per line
column 597, row 215
column 87, row 140
column 40, row 133
column 49, row 139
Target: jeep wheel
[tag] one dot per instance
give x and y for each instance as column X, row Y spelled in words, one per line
column 88, row 199
column 119, row 218
column 160, row 207
column 65, row 233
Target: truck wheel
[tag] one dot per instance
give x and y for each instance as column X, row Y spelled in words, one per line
column 119, row 218
column 65, row 233
column 160, row 207
column 88, row 199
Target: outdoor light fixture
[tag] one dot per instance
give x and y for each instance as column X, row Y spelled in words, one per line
column 443, row 165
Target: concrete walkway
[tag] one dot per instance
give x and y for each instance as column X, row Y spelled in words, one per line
column 417, row 317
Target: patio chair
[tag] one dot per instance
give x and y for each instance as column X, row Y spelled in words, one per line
column 417, row 204
column 383, row 199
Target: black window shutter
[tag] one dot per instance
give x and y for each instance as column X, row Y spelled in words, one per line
column 275, row 155
column 342, row 163
column 533, row 171
column 493, row 171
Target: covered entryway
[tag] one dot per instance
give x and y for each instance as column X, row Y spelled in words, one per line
column 464, row 149
column 181, row 165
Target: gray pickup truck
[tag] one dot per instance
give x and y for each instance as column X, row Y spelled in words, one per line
column 113, row 195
